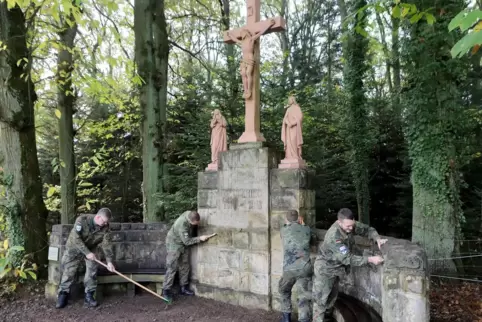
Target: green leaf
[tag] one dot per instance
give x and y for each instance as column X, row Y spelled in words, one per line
column 17, row 248
column 416, row 18
column 396, row 12
column 457, row 20
column 3, row 263
column 470, row 19
column 58, row 113
column 22, row 274
column 467, row 42
column 50, row 192
column 361, row 31
column 85, row 184
column 32, row 274
column 96, row 160
column 430, row 18
column 5, row 272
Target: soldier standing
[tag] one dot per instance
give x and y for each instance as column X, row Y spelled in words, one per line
column 296, row 266
column 88, row 232
column 335, row 256
column 177, row 240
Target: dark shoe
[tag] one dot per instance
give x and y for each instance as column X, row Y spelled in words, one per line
column 62, row 300
column 286, row 317
column 167, row 295
column 186, row 291
column 89, row 300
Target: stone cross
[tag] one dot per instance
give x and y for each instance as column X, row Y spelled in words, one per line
column 248, row 38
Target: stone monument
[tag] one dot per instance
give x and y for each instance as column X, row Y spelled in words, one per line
column 246, row 199
column 219, row 141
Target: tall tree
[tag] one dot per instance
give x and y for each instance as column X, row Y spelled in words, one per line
column 435, row 130
column 26, row 213
column 65, row 100
column 356, row 114
column 152, row 52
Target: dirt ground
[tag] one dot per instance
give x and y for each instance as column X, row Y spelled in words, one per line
column 449, row 303
column 31, row 305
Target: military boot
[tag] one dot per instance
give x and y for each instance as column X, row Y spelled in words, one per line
column 286, row 317
column 89, row 299
column 62, row 300
column 167, row 295
column 186, row 291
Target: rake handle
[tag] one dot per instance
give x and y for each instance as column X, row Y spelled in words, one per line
column 130, row 280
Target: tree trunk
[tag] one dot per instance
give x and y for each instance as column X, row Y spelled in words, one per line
column 66, row 99
column 152, row 51
column 356, row 115
column 395, row 62
column 436, row 132
column 26, row 212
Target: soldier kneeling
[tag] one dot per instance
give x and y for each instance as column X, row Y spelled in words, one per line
column 88, row 232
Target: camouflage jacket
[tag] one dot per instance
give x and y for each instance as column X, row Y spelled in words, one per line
column 296, row 246
column 335, row 252
column 86, row 236
column 179, row 236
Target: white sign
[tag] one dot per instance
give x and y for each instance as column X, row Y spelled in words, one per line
column 53, row 254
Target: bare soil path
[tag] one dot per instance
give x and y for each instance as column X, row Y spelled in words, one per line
column 32, row 306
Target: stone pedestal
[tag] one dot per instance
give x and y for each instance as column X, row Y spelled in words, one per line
column 212, row 167
column 245, row 202
column 292, row 164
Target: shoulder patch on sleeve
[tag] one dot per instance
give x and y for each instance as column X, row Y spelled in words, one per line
column 343, row 249
column 78, row 227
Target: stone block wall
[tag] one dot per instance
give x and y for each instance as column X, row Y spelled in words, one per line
column 234, row 202
column 137, row 247
column 245, row 203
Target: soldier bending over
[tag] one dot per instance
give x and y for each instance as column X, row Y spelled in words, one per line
column 296, row 266
column 177, row 240
column 334, row 256
column 89, row 231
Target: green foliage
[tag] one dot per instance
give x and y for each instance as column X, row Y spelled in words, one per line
column 437, row 122
column 465, row 20
column 15, row 266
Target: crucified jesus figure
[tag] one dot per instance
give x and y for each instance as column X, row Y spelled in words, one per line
column 248, row 61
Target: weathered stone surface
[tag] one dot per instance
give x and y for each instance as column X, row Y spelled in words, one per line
column 259, row 241
column 240, row 240
column 291, row 178
column 208, row 180
column 207, row 198
column 247, row 145
column 229, row 259
column 255, row 262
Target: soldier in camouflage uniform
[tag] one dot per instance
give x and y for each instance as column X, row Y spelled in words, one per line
column 296, row 267
column 177, row 240
column 88, row 232
column 335, row 257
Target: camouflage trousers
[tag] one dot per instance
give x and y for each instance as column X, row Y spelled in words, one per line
column 286, row 283
column 177, row 260
column 69, row 265
column 325, row 293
